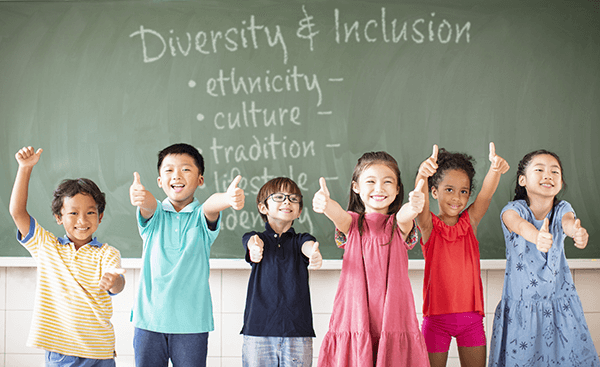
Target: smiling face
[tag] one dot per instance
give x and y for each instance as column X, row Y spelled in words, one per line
column 377, row 187
column 280, row 214
column 452, row 193
column 543, row 177
column 80, row 218
column 179, row 178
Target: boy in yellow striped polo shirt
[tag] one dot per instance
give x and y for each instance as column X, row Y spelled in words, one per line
column 76, row 273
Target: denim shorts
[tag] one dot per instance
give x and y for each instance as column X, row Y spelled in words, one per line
column 53, row 359
column 277, row 351
column 154, row 349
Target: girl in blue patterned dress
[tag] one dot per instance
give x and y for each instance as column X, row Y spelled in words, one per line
column 540, row 321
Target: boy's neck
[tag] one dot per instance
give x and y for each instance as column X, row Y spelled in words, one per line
column 280, row 227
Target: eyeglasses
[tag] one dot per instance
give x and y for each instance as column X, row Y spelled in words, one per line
column 280, row 198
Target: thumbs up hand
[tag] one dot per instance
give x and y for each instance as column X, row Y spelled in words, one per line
column 580, row 236
column 316, row 259
column 321, row 198
column 137, row 191
column 110, row 278
column 26, row 157
column 255, row 248
column 499, row 164
column 544, row 238
column 429, row 166
column 235, row 194
column 416, row 199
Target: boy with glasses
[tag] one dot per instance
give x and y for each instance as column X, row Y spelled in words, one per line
column 278, row 327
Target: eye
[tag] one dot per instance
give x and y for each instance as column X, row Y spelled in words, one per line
column 370, row 181
column 91, row 213
column 464, row 192
column 449, row 190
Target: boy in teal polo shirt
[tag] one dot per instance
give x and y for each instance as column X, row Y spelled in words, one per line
column 172, row 313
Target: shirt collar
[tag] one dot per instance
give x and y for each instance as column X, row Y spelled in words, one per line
column 167, row 206
column 270, row 231
column 65, row 241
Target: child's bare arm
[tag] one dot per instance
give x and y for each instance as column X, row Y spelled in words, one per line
column 310, row 249
column 515, row 223
column 27, row 158
column 498, row 167
column 572, row 228
column 141, row 197
column 426, row 170
column 322, row 203
column 234, row 197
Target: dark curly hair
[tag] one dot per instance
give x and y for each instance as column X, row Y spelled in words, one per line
column 71, row 187
column 453, row 161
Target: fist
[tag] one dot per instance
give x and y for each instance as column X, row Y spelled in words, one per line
column 109, row 278
column 321, row 197
column 316, row 259
column 544, row 238
column 235, row 194
column 429, row 166
column 580, row 236
column 255, row 248
column 416, row 198
column 27, row 157
column 137, row 191
column 498, row 163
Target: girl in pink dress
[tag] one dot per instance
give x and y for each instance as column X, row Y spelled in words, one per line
column 374, row 321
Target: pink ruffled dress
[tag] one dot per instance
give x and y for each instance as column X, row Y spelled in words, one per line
column 374, row 322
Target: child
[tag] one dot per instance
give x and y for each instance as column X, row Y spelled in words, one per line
column 452, row 289
column 76, row 273
column 373, row 321
column 540, row 321
column 278, row 316
column 172, row 313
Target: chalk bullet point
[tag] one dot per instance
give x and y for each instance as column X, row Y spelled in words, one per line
column 200, row 117
column 192, row 83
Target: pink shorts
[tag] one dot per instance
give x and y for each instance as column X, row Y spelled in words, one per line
column 466, row 327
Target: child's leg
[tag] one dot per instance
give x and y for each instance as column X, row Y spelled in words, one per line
column 471, row 341
column 150, row 348
column 297, row 351
column 188, row 350
column 472, row 356
column 261, row 351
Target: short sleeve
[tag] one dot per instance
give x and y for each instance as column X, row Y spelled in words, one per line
column 518, row 206
column 413, row 236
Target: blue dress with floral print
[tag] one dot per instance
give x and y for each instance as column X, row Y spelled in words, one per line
column 539, row 321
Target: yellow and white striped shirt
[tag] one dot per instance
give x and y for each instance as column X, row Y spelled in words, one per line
column 71, row 314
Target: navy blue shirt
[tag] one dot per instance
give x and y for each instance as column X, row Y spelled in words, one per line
column 278, row 299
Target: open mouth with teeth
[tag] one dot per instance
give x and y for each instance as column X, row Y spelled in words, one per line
column 177, row 187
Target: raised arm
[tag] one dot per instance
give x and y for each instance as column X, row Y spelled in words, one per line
column 27, row 158
column 410, row 210
column 324, row 204
column 426, row 170
column 234, row 197
column 498, row 167
column 515, row 223
column 141, row 197
column 572, row 228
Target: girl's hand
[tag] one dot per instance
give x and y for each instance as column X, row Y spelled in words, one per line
column 321, row 198
column 235, row 194
column 256, row 248
column 416, row 199
column 429, row 166
column 26, row 157
column 316, row 259
column 498, row 163
column 544, row 238
column 580, row 236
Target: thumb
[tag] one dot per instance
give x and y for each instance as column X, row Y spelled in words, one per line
column 420, row 185
column 545, row 226
column 39, row 151
column 235, row 182
column 315, row 247
column 492, row 151
column 435, row 152
column 577, row 224
column 323, row 185
column 136, row 178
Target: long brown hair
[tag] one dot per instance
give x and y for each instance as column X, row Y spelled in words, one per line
column 355, row 203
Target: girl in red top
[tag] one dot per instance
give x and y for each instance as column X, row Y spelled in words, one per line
column 452, row 289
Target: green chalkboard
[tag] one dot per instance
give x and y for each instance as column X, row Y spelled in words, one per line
column 299, row 89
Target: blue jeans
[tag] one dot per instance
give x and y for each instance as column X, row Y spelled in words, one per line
column 153, row 349
column 276, row 351
column 54, row 359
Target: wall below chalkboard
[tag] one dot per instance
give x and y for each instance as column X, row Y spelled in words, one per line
column 297, row 89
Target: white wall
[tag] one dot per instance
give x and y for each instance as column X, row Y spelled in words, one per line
column 228, row 287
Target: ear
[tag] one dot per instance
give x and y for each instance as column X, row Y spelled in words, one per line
column 200, row 180
column 262, row 209
column 522, row 180
column 434, row 192
column 355, row 187
column 100, row 218
column 159, row 182
column 58, row 219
